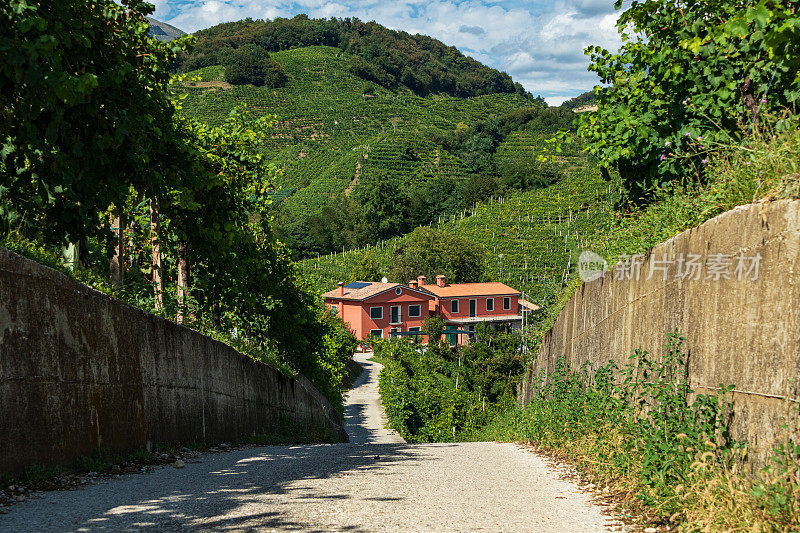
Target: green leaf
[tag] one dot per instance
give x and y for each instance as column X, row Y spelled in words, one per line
column 693, row 44
column 737, row 28
column 759, row 14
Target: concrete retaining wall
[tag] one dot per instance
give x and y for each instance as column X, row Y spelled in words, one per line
column 740, row 332
column 81, row 371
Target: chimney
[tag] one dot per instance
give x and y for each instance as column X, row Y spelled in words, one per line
column 421, row 281
column 341, row 288
column 440, row 280
column 412, row 284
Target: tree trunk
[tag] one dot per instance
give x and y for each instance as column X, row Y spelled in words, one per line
column 134, row 253
column 155, row 242
column 746, row 90
column 83, row 253
column 117, row 262
column 183, row 278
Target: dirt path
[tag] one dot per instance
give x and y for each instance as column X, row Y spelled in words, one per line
column 375, row 483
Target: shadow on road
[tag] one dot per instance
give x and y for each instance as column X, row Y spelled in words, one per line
column 356, row 427
column 239, row 490
column 355, row 419
column 363, row 412
column 274, row 487
column 263, row 488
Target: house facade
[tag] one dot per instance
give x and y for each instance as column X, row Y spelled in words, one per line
column 384, row 309
column 379, row 309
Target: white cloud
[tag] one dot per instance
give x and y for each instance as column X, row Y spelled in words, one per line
column 331, row 9
column 539, row 44
column 205, row 13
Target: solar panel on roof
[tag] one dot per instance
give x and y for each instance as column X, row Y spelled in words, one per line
column 357, row 285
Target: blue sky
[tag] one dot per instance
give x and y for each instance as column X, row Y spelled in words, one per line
column 539, row 43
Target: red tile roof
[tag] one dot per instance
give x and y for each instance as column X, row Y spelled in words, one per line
column 471, row 289
column 369, row 291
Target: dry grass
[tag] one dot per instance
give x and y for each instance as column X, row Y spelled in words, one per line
column 724, row 494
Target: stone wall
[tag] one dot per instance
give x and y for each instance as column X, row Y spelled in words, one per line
column 80, row 371
column 739, row 332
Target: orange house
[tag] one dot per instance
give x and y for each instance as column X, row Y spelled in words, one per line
column 379, row 309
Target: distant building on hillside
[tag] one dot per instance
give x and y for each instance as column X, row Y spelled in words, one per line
column 382, row 309
column 379, row 309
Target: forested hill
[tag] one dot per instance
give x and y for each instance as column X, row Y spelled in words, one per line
column 586, row 99
column 389, row 58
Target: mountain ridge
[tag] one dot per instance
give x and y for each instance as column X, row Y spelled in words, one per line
column 163, row 31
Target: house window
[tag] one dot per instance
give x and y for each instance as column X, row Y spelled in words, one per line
column 376, row 333
column 393, row 330
column 398, row 291
column 395, row 315
column 506, row 303
column 415, row 328
column 490, row 304
column 473, row 308
column 376, row 313
column 454, row 306
column 334, row 309
column 414, row 310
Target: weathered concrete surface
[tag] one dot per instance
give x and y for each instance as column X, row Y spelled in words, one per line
column 738, row 332
column 80, row 371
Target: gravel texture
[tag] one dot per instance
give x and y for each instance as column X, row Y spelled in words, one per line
column 375, row 483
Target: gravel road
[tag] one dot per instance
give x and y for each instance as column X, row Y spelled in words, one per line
column 375, row 483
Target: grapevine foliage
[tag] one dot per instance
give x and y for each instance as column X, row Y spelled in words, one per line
column 689, row 75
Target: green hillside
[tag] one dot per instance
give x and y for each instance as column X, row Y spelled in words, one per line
column 334, row 129
column 531, row 240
